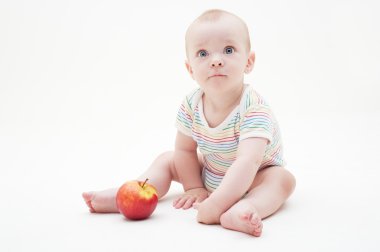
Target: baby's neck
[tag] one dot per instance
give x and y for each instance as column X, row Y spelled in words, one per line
column 221, row 101
column 217, row 106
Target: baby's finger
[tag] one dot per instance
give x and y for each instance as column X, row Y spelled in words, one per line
column 188, row 203
column 175, row 201
column 180, row 202
column 196, row 205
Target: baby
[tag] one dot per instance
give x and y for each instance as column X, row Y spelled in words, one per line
column 228, row 152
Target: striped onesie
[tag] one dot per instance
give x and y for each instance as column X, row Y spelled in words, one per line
column 252, row 118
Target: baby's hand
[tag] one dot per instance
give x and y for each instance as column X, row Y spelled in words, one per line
column 208, row 213
column 186, row 200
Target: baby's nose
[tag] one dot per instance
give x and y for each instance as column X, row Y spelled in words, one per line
column 217, row 62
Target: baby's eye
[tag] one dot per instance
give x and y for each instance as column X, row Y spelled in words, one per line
column 229, row 50
column 202, row 53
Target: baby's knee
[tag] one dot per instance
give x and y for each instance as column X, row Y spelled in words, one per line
column 168, row 155
column 288, row 181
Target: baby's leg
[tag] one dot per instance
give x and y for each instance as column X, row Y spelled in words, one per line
column 160, row 174
column 271, row 187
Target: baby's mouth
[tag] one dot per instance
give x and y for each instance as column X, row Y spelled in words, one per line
column 217, row 75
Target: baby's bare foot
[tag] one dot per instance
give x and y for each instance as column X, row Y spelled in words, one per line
column 247, row 221
column 101, row 201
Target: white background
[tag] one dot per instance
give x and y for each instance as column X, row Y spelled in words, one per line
column 89, row 92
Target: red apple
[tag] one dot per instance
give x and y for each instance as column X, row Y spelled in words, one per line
column 136, row 200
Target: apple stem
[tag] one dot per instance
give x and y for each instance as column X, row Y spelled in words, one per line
column 144, row 182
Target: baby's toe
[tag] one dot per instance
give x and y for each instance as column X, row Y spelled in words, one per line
column 257, row 229
column 255, row 219
column 256, row 233
column 87, row 196
column 256, row 224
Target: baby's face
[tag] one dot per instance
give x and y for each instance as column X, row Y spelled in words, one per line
column 218, row 53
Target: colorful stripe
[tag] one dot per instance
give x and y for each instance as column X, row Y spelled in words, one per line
column 219, row 145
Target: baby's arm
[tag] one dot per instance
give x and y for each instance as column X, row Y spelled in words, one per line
column 189, row 172
column 236, row 182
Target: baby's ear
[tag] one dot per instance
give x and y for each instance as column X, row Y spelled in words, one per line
column 189, row 69
column 250, row 62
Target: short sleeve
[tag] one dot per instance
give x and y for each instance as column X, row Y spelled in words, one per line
column 185, row 115
column 184, row 119
column 256, row 118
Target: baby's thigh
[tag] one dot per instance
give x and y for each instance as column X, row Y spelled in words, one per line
column 270, row 172
column 174, row 170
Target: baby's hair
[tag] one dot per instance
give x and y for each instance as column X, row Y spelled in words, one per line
column 213, row 15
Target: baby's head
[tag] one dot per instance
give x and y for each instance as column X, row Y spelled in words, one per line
column 218, row 17
column 218, row 45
